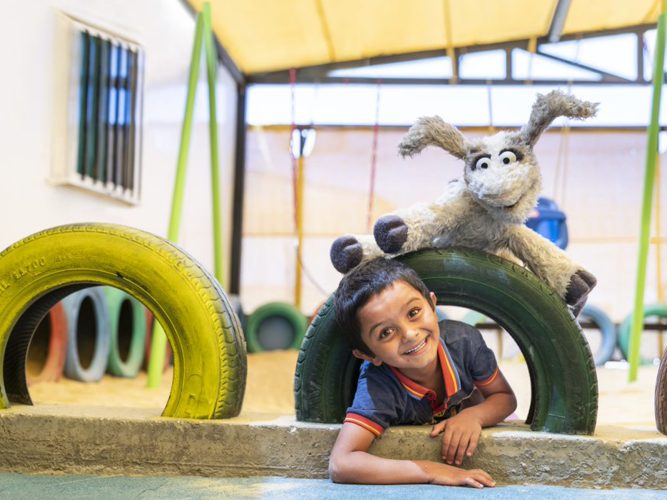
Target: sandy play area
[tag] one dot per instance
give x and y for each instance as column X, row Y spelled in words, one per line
column 270, row 379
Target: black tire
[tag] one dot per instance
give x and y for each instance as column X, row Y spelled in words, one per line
column 563, row 377
column 209, row 350
column 235, row 301
column 661, row 395
column 275, row 326
column 607, row 329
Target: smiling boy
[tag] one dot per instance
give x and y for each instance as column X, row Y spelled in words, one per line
column 415, row 371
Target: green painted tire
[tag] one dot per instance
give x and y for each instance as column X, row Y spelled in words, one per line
column 274, row 326
column 127, row 341
column 659, row 310
column 563, row 377
column 209, row 350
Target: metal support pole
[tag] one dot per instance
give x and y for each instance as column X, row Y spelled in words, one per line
column 299, row 226
column 212, row 67
column 239, row 192
column 159, row 340
column 649, row 181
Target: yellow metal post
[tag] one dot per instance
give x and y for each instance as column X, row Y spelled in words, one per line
column 299, row 229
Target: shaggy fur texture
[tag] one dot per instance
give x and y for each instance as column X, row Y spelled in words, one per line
column 487, row 208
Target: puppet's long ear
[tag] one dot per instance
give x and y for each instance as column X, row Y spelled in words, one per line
column 433, row 131
column 549, row 107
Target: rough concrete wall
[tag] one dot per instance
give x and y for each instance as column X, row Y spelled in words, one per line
column 35, row 441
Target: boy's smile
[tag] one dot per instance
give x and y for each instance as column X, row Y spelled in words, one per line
column 401, row 328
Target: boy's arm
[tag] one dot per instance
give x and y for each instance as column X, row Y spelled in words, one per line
column 461, row 432
column 350, row 462
column 499, row 402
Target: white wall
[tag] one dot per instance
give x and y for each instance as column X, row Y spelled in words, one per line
column 29, row 135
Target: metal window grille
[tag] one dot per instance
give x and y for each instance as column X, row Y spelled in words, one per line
column 105, row 85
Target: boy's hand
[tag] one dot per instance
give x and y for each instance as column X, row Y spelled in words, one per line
column 447, row 475
column 460, row 435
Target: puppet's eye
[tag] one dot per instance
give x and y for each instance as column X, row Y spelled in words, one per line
column 483, row 163
column 507, row 157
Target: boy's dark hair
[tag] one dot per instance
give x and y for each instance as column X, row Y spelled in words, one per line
column 360, row 284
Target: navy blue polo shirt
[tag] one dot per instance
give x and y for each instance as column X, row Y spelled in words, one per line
column 386, row 397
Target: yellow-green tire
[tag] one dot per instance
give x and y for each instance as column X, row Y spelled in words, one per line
column 209, row 349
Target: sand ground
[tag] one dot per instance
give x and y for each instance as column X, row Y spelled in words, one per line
column 269, row 390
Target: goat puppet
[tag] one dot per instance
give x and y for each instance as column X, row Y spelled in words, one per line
column 486, row 209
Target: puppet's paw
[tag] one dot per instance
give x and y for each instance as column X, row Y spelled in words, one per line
column 581, row 284
column 390, row 233
column 346, row 252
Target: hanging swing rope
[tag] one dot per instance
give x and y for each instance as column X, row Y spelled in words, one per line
column 563, row 161
column 492, row 130
column 292, row 83
column 296, row 143
column 489, row 104
column 449, row 44
column 374, row 151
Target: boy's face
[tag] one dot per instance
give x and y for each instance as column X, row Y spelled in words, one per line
column 400, row 327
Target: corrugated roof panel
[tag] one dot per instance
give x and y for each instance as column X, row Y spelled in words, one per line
column 596, row 15
column 266, row 35
column 263, row 35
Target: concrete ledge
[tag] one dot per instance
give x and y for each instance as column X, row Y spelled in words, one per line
column 103, row 441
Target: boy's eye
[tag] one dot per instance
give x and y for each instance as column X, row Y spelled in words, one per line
column 413, row 312
column 385, row 333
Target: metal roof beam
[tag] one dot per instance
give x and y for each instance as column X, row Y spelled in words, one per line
column 321, row 71
column 558, row 20
column 309, row 78
column 606, row 77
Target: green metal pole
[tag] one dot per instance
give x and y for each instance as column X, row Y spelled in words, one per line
column 211, row 66
column 159, row 340
column 649, row 181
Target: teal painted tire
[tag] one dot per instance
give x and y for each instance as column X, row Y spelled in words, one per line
column 275, row 326
column 607, row 330
column 659, row 310
column 563, row 378
column 127, row 341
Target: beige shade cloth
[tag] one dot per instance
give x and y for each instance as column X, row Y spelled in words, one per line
column 270, row 35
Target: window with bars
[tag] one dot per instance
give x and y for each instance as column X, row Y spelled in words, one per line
column 105, row 83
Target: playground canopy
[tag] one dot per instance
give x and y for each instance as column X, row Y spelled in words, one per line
column 264, row 36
